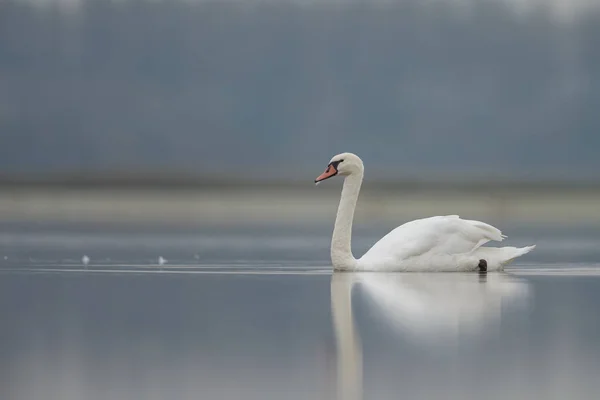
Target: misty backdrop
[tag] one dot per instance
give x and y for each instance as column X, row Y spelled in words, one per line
column 266, row 90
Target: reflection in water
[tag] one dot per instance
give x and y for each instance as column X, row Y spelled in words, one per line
column 349, row 349
column 157, row 336
column 426, row 307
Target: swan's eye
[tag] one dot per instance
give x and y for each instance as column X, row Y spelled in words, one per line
column 342, row 160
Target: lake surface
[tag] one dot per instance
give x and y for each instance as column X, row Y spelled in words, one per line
column 255, row 313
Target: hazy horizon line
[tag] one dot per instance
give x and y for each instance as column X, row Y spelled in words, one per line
column 562, row 10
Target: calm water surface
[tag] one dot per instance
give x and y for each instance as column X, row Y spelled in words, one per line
column 256, row 313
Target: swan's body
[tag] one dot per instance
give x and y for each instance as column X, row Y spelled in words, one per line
column 442, row 243
column 446, row 243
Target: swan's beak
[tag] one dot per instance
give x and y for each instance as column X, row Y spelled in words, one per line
column 329, row 172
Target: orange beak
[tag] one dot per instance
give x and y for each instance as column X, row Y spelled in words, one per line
column 329, row 172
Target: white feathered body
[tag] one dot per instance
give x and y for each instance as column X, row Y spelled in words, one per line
column 441, row 243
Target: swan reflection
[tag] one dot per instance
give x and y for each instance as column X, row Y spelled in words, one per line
column 422, row 307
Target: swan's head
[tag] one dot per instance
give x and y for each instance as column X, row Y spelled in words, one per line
column 342, row 164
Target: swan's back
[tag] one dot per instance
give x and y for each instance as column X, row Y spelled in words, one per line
column 434, row 236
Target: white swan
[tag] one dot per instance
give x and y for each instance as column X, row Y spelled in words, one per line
column 443, row 243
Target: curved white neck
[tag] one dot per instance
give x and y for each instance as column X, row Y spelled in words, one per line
column 341, row 242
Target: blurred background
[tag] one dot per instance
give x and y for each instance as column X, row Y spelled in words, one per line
column 204, row 110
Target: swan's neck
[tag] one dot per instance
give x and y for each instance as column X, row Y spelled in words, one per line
column 341, row 242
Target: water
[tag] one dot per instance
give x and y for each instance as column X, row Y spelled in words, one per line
column 255, row 313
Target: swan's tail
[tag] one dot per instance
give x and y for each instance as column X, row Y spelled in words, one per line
column 498, row 257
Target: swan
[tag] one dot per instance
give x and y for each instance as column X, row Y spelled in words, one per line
column 440, row 243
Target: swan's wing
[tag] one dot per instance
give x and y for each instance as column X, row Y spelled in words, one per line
column 436, row 235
